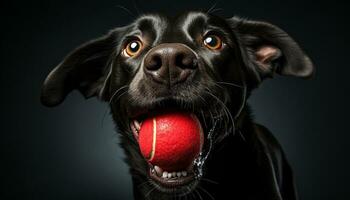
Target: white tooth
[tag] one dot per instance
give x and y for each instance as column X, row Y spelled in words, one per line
column 173, row 174
column 165, row 175
column 178, row 174
column 169, row 175
column 158, row 170
column 184, row 173
column 137, row 125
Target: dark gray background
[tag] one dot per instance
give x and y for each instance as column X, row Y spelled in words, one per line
column 68, row 153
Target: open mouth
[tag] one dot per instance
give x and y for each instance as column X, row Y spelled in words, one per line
column 178, row 166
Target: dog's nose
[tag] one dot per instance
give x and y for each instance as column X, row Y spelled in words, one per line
column 170, row 63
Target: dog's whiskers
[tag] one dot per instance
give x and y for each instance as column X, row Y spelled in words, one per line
column 125, row 126
column 190, row 194
column 216, row 9
column 242, row 136
column 206, row 192
column 136, row 7
column 219, row 112
column 109, row 102
column 199, row 195
column 119, row 96
column 209, row 181
column 211, row 117
column 231, row 84
column 212, row 7
column 126, row 10
column 224, row 107
column 116, row 92
column 149, row 192
column 205, row 122
column 143, row 184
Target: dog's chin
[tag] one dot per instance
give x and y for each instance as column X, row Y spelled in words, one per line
column 180, row 183
column 175, row 182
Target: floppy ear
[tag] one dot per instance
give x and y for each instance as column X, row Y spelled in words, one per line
column 267, row 50
column 86, row 69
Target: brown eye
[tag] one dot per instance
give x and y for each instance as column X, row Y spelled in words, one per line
column 133, row 48
column 212, row 42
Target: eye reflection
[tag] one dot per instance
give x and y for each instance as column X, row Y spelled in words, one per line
column 213, row 42
column 133, row 48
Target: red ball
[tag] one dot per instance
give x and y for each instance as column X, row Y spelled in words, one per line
column 171, row 140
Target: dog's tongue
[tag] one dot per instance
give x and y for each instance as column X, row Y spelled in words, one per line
column 171, row 141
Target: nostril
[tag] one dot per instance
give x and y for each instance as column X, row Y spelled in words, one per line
column 170, row 63
column 154, row 63
column 185, row 61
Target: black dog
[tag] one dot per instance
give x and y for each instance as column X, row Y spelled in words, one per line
column 198, row 63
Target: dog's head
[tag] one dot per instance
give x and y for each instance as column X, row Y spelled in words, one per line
column 194, row 62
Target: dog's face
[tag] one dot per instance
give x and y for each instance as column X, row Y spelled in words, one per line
column 195, row 62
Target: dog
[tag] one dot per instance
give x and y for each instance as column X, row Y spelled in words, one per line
column 199, row 63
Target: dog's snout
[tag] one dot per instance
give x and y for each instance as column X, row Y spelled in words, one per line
column 170, row 63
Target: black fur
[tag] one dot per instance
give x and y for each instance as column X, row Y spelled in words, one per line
column 246, row 161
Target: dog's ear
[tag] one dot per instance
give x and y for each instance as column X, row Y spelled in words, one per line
column 266, row 49
column 86, row 69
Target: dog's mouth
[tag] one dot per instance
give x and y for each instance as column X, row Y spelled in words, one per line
column 172, row 180
column 166, row 178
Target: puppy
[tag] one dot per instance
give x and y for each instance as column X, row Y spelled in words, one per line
column 198, row 63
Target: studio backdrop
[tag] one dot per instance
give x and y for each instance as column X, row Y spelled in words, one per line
column 72, row 151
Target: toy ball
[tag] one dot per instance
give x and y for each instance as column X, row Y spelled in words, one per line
column 171, row 141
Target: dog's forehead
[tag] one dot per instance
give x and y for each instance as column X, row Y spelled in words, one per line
column 164, row 28
column 155, row 24
column 191, row 22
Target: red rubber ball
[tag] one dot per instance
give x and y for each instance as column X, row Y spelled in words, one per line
column 171, row 140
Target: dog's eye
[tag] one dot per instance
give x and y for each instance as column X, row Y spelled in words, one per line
column 213, row 42
column 133, row 48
